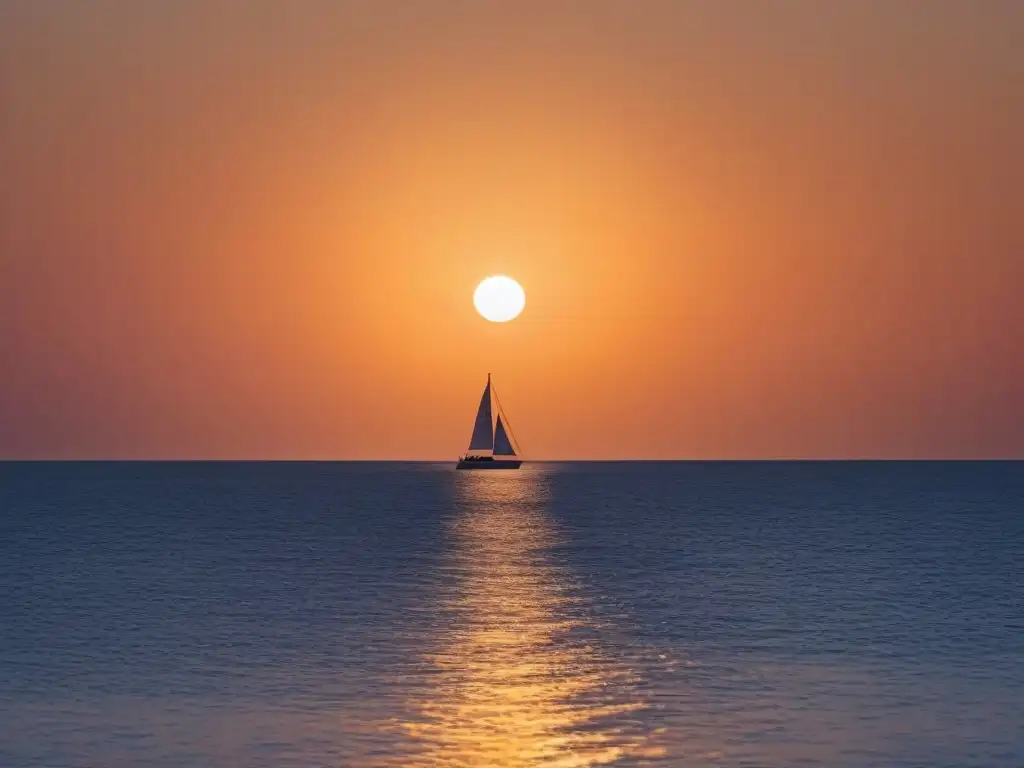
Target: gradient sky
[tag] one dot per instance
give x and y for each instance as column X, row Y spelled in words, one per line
column 243, row 228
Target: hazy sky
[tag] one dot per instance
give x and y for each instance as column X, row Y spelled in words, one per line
column 243, row 228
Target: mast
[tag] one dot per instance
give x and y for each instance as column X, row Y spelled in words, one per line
column 483, row 427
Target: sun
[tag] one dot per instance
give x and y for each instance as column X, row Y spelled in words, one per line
column 499, row 299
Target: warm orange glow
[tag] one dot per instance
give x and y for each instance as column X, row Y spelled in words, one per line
column 795, row 236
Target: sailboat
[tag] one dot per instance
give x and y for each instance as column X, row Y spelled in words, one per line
column 490, row 446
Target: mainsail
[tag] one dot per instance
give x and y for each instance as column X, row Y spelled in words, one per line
column 483, row 437
column 502, row 446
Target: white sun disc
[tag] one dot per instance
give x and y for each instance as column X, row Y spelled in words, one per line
column 499, row 299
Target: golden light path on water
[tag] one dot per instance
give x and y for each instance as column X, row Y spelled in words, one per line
column 512, row 689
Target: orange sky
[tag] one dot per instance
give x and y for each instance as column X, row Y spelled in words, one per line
column 252, row 229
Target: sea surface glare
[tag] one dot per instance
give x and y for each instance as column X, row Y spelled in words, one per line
column 304, row 615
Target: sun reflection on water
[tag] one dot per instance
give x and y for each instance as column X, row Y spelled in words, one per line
column 516, row 681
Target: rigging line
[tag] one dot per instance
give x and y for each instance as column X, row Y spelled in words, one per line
column 508, row 425
column 509, row 431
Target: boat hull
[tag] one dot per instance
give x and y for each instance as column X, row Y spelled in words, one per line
column 489, row 464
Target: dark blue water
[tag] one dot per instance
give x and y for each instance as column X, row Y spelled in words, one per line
column 307, row 615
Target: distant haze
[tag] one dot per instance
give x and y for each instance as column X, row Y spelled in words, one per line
column 244, row 229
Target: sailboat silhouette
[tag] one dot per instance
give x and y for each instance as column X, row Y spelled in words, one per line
column 490, row 447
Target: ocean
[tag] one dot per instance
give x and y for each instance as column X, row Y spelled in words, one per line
column 398, row 614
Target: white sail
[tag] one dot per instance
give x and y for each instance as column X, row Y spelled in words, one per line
column 502, row 445
column 483, row 437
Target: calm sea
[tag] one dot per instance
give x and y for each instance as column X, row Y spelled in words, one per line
column 349, row 614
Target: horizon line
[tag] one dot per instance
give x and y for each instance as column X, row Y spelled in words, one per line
column 748, row 460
